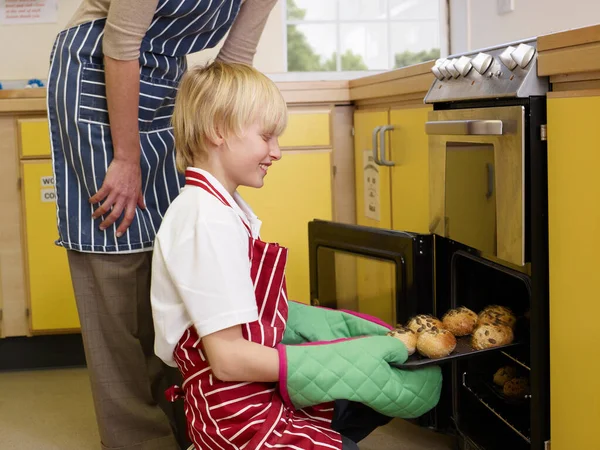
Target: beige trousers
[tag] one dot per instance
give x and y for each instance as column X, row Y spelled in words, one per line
column 127, row 379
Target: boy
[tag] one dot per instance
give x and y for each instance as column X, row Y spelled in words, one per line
column 219, row 298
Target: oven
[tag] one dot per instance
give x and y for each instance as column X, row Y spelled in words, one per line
column 487, row 244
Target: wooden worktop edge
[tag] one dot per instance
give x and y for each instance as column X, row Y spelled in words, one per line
column 574, row 51
column 397, row 74
column 569, row 38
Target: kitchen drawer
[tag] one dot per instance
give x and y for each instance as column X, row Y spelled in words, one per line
column 48, row 279
column 307, row 129
column 34, row 138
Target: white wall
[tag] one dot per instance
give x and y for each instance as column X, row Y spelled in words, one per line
column 25, row 49
column 476, row 23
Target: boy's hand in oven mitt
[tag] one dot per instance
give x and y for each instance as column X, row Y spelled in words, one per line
column 357, row 370
column 307, row 323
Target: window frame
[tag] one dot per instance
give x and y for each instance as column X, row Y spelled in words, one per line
column 341, row 74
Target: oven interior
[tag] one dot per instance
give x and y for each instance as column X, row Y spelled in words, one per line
column 486, row 417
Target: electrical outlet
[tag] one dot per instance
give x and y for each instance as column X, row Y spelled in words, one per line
column 505, row 6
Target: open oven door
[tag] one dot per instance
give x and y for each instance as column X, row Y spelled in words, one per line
column 385, row 273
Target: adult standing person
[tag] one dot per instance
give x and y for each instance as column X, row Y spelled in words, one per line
column 114, row 74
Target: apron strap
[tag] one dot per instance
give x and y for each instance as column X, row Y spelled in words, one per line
column 197, row 179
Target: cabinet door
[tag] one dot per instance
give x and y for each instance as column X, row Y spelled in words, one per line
column 51, row 298
column 297, row 190
column 375, row 284
column 574, row 245
column 410, row 174
column 306, row 129
column 372, row 181
column 33, row 136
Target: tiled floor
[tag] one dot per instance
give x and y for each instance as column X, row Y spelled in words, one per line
column 52, row 410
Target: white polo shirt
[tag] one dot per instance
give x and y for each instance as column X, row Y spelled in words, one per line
column 200, row 266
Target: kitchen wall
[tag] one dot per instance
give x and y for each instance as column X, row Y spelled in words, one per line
column 476, row 23
column 25, row 49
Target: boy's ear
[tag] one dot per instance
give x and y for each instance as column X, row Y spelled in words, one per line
column 218, row 139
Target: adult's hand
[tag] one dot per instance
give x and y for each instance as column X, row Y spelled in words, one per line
column 121, row 191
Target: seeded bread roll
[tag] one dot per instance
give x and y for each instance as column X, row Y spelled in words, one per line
column 516, row 387
column 497, row 315
column 436, row 343
column 460, row 321
column 407, row 337
column 423, row 322
column 488, row 336
column 504, row 374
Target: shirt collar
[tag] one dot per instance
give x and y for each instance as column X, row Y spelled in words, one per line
column 237, row 203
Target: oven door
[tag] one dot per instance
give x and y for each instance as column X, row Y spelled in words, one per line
column 477, row 179
column 387, row 274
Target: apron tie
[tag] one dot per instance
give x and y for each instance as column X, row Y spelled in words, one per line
column 174, row 393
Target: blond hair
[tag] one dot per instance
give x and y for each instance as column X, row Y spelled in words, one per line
column 223, row 99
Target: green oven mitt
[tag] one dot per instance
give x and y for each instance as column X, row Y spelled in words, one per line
column 357, row 370
column 307, row 323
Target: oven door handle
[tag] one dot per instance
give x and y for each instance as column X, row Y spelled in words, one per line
column 465, row 127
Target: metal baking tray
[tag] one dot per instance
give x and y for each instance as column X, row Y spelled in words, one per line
column 463, row 350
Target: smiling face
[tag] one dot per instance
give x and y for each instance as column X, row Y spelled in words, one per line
column 246, row 159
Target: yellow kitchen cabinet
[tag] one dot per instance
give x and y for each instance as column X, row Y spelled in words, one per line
column 48, row 280
column 410, row 174
column 297, row 189
column 574, row 245
column 375, row 283
column 306, row 129
column 33, row 135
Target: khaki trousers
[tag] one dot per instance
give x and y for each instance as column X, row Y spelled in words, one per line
column 127, row 379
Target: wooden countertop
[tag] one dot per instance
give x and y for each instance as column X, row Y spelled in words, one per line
column 572, row 51
column 409, row 81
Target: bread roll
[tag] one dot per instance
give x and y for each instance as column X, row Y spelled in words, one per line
column 488, row 336
column 504, row 374
column 436, row 343
column 460, row 321
column 408, row 338
column 497, row 315
column 516, row 387
column 423, row 322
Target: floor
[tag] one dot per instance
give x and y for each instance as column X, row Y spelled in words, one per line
column 53, row 410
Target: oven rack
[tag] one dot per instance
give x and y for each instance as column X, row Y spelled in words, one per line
column 515, row 359
column 492, row 410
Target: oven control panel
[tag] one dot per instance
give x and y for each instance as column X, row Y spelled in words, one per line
column 507, row 71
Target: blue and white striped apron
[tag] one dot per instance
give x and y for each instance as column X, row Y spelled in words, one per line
column 79, row 126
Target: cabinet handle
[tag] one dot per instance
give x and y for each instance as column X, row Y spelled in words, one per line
column 374, row 144
column 382, row 160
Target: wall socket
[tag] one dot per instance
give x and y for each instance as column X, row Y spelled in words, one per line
column 505, row 6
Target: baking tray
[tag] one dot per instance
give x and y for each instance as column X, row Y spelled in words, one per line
column 463, row 350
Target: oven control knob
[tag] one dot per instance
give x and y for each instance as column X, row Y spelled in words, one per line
column 452, row 68
column 436, row 70
column 523, row 55
column 444, row 68
column 463, row 65
column 482, row 62
column 507, row 59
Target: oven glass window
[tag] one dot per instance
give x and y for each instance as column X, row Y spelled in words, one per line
column 357, row 283
column 470, row 195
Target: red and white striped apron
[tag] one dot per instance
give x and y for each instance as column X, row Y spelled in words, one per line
column 224, row 415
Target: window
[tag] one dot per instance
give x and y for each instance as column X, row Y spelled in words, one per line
column 362, row 35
